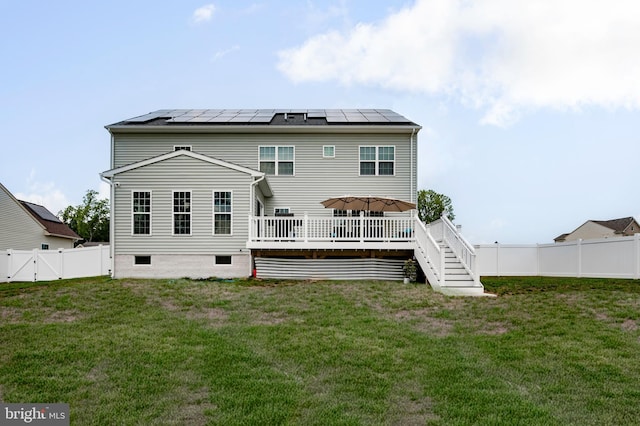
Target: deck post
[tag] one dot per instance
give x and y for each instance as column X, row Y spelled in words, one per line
column 361, row 226
column 305, row 228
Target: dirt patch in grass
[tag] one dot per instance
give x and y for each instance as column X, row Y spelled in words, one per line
column 410, row 407
column 422, row 321
column 54, row 316
column 11, row 315
column 213, row 316
column 491, row 328
column 44, row 315
column 630, row 325
column 192, row 407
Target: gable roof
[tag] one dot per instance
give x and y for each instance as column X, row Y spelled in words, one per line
column 618, row 225
column 44, row 218
column 263, row 184
column 52, row 225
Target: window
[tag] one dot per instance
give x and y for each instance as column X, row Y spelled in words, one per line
column 142, row 260
column 277, row 160
column 281, row 211
column 377, row 160
column 182, row 147
column 222, row 211
column 182, row 212
column 223, row 260
column 329, row 151
column 46, row 246
column 141, row 212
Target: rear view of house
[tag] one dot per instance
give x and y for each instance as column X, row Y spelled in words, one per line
column 228, row 193
column 28, row 226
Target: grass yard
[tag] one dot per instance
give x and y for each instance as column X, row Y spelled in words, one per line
column 546, row 351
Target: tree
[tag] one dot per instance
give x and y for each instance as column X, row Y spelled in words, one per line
column 431, row 206
column 90, row 219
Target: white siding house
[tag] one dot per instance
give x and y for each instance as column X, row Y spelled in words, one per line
column 228, row 193
column 28, row 226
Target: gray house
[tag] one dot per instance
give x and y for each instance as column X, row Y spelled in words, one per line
column 28, row 226
column 231, row 193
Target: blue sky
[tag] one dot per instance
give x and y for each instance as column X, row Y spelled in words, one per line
column 530, row 110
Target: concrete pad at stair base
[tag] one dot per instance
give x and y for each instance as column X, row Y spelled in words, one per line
column 462, row 291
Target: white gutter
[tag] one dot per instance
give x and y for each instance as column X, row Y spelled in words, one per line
column 199, row 128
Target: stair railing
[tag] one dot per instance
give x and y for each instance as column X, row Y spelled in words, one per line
column 429, row 254
column 460, row 246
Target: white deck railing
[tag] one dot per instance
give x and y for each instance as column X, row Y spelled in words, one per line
column 432, row 259
column 312, row 228
column 443, row 230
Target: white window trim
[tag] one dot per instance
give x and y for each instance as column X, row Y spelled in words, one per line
column 277, row 160
column 213, row 211
column 173, row 228
column 150, row 212
column 142, row 265
column 178, row 147
column 334, row 151
column 215, row 260
column 377, row 160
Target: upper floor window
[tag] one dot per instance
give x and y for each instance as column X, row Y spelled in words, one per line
column 222, row 211
column 182, row 147
column 182, row 212
column 277, row 160
column 329, row 151
column 141, row 212
column 377, row 160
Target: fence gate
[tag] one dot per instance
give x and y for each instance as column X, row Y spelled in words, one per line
column 36, row 265
column 21, row 265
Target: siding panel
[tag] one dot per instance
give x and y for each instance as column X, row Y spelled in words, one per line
column 316, row 178
column 181, row 174
column 19, row 231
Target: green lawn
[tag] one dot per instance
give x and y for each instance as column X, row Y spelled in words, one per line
column 546, row 351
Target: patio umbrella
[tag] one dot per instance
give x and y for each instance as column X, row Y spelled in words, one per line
column 368, row 203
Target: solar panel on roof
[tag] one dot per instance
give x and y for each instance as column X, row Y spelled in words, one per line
column 146, row 117
column 261, row 119
column 42, row 212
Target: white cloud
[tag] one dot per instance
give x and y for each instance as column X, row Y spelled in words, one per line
column 222, row 53
column 497, row 55
column 104, row 191
column 203, row 13
column 45, row 194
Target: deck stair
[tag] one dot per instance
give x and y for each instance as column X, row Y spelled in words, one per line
column 455, row 274
column 447, row 259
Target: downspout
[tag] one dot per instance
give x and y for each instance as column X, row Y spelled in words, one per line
column 112, row 232
column 414, row 167
column 252, row 194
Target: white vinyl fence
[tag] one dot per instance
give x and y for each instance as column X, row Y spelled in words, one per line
column 598, row 258
column 48, row 265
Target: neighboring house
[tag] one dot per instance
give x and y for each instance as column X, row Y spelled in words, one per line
column 228, row 193
column 27, row 226
column 622, row 227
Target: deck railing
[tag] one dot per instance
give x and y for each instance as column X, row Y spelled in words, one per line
column 312, row 228
column 444, row 230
